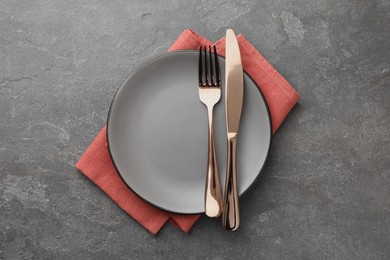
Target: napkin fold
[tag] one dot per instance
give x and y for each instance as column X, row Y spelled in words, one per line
column 96, row 162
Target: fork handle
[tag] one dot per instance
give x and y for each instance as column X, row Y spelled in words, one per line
column 213, row 194
column 231, row 214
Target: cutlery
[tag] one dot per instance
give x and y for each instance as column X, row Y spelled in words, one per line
column 210, row 94
column 234, row 88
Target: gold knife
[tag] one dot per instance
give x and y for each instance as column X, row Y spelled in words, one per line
column 234, row 92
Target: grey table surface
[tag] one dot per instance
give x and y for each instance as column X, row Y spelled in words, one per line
column 325, row 192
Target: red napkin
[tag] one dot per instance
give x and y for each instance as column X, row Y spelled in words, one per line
column 96, row 163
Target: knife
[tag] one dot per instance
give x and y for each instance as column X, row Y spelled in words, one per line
column 234, row 89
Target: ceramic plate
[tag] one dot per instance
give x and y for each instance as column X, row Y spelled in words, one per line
column 157, row 133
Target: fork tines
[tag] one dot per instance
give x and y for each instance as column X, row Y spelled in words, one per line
column 206, row 78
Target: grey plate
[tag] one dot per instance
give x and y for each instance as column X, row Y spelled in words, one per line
column 157, row 133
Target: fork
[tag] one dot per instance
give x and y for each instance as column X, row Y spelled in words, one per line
column 210, row 94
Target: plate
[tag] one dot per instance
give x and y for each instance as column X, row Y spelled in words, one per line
column 157, row 133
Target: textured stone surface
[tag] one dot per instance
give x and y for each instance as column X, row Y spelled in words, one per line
column 325, row 193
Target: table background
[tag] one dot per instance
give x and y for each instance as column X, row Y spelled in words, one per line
column 325, row 192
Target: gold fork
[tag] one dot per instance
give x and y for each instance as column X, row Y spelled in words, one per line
column 210, row 94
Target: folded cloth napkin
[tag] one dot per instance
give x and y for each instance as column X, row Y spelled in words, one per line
column 96, row 163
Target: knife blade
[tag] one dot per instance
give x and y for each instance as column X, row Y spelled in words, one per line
column 234, row 78
column 234, row 89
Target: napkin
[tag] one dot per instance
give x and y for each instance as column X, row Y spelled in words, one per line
column 96, row 163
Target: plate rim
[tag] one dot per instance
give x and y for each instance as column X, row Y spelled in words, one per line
column 128, row 78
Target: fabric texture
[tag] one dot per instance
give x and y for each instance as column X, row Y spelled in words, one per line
column 96, row 162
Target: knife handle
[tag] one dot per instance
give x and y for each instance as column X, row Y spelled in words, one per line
column 213, row 193
column 231, row 213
